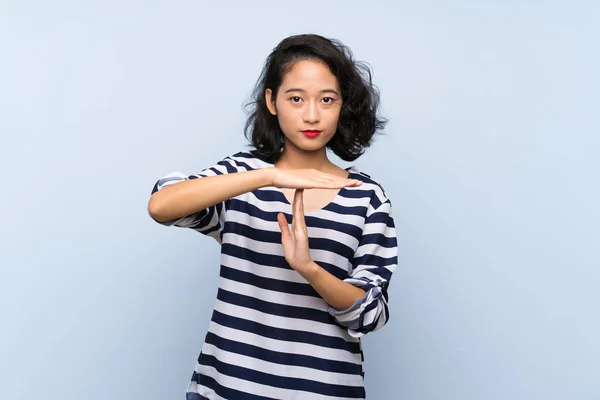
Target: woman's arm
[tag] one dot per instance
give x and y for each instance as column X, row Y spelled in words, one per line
column 338, row 294
column 358, row 302
column 184, row 198
column 188, row 197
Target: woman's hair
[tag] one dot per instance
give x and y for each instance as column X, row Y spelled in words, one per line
column 359, row 119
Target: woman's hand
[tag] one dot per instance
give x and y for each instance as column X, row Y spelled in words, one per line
column 309, row 179
column 295, row 243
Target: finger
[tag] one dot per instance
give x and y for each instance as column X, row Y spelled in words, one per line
column 328, row 176
column 299, row 210
column 331, row 179
column 327, row 180
column 337, row 184
column 351, row 182
column 334, row 179
column 283, row 226
column 295, row 209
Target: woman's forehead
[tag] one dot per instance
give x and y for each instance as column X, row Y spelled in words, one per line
column 309, row 75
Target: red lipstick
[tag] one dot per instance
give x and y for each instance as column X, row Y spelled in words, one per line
column 311, row 133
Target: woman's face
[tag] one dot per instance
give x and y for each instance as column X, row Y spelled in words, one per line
column 309, row 99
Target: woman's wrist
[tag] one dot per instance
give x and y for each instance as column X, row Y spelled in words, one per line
column 267, row 176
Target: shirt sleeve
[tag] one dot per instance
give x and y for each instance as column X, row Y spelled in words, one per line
column 374, row 262
column 210, row 220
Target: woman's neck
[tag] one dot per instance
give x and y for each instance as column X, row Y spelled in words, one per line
column 295, row 158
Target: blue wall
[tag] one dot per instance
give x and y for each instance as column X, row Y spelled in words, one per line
column 490, row 158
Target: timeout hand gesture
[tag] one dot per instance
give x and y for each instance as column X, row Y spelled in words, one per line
column 295, row 241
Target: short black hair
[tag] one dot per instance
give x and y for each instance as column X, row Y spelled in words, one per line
column 359, row 117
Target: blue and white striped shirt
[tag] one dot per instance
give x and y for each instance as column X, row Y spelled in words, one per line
column 271, row 335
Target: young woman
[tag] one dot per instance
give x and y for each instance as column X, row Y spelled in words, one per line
column 292, row 304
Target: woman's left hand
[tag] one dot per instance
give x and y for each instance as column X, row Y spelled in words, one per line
column 295, row 243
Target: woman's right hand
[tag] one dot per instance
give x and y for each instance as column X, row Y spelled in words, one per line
column 309, row 179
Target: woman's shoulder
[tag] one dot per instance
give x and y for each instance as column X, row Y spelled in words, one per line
column 247, row 160
column 373, row 187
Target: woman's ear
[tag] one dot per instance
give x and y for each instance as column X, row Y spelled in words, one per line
column 269, row 101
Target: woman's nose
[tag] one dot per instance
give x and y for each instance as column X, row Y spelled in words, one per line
column 311, row 113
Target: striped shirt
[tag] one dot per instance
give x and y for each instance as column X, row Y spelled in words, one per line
column 271, row 335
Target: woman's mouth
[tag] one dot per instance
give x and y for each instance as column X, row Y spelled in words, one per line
column 311, row 133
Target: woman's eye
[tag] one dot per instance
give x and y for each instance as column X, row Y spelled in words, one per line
column 330, row 100
column 296, row 99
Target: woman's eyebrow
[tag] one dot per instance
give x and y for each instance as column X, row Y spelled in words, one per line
column 304, row 91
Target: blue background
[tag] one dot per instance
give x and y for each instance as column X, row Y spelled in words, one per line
column 491, row 159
